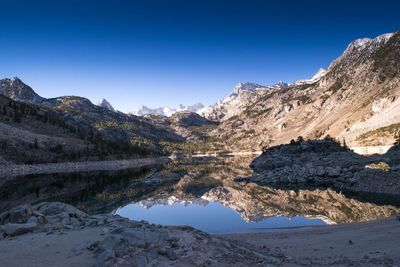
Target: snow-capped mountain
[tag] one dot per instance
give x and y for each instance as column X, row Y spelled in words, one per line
column 105, row 104
column 244, row 94
column 167, row 111
column 233, row 104
column 356, row 99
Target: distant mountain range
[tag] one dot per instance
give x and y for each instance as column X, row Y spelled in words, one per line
column 167, row 111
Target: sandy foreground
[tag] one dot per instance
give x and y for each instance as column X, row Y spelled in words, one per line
column 375, row 243
column 113, row 241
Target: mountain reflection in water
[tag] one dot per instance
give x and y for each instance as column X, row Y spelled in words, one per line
column 200, row 192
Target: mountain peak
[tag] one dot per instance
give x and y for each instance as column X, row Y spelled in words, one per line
column 105, row 104
column 15, row 79
column 362, row 46
column 16, row 89
column 246, row 86
column 363, row 42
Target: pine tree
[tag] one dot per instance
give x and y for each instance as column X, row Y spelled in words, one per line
column 35, row 144
column 17, row 117
column 397, row 138
column 344, row 143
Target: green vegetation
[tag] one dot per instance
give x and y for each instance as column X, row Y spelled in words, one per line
column 303, row 99
column 373, row 137
column 256, row 113
column 378, row 166
column 207, row 144
column 337, row 85
column 386, row 59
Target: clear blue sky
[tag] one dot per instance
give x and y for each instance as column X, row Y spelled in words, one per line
column 163, row 52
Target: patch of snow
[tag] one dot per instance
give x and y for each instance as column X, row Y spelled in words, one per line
column 384, row 37
column 316, row 77
column 360, row 42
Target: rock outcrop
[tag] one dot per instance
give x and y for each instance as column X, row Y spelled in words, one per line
column 325, row 163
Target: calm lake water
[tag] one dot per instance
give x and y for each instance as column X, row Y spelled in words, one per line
column 198, row 192
column 212, row 217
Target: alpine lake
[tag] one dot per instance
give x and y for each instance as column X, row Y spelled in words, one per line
column 198, row 192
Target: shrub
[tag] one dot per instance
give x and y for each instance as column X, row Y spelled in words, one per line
column 378, row 166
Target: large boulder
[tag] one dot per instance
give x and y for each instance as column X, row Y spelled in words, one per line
column 13, row 229
column 56, row 208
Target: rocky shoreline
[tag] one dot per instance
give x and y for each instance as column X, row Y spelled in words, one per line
column 110, row 240
column 58, row 234
column 10, row 171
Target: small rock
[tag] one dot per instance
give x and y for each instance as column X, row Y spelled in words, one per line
column 333, row 172
column 104, row 258
column 169, row 253
column 117, row 230
column 33, row 219
column 93, row 246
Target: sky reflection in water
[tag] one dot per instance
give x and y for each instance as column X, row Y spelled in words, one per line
column 211, row 218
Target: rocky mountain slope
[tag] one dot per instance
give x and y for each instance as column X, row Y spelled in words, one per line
column 357, row 97
column 71, row 127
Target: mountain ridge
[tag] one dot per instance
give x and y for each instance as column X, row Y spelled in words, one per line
column 358, row 93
